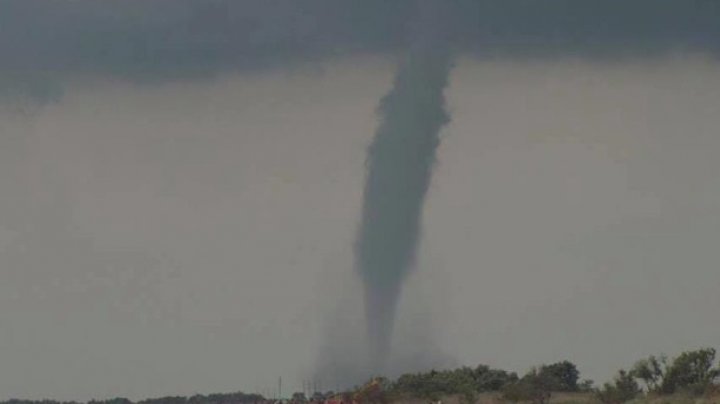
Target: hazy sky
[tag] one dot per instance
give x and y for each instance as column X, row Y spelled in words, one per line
column 195, row 234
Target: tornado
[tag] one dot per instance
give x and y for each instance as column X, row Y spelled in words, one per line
column 399, row 166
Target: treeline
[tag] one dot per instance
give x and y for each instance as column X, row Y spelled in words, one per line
column 692, row 373
column 228, row 398
column 467, row 383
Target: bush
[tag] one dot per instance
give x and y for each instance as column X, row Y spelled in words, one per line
column 624, row 388
column 487, row 379
column 536, row 386
column 563, row 376
column 691, row 372
column 586, row 386
column 465, row 382
column 651, row 371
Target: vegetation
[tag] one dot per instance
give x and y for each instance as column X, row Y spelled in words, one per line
column 466, row 382
column 536, row 387
column 624, row 388
column 692, row 372
column 651, row 371
column 656, row 379
column 230, row 398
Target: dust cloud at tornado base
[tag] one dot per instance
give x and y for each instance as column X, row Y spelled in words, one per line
column 196, row 236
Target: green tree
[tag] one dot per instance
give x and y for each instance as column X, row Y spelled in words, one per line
column 692, row 371
column 623, row 388
column 487, row 379
column 586, row 386
column 651, row 371
column 564, row 376
column 535, row 386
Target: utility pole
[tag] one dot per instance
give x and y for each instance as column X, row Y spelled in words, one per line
column 280, row 388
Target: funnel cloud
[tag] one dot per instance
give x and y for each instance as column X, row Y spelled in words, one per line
column 399, row 163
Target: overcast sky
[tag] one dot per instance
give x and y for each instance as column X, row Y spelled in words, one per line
column 181, row 219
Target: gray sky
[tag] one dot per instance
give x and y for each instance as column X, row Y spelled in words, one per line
column 179, row 233
column 193, row 237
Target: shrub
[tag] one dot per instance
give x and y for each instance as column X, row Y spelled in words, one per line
column 563, row 376
column 536, row 386
column 691, row 372
column 624, row 388
column 487, row 379
column 651, row 371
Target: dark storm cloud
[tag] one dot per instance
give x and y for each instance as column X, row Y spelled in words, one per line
column 167, row 38
column 151, row 40
column 186, row 36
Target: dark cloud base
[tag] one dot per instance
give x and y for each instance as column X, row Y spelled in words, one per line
column 167, row 39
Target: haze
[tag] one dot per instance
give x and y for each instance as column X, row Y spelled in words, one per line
column 191, row 237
